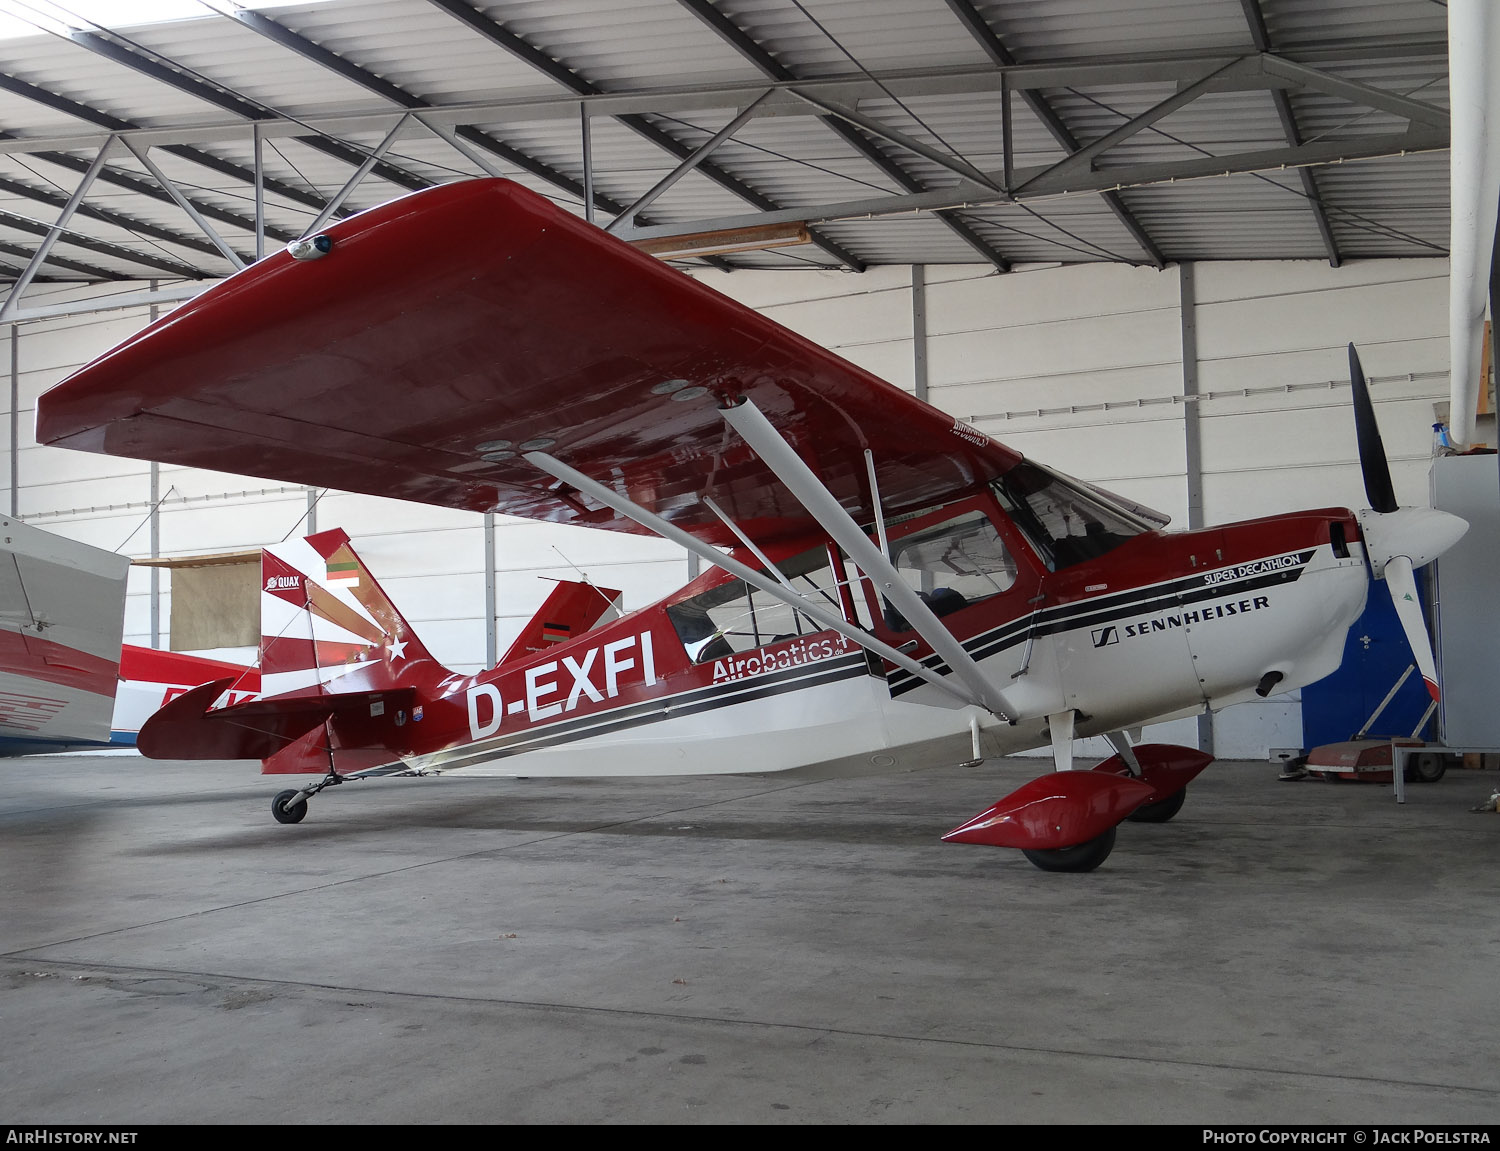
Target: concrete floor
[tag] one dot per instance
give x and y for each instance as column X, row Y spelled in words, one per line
column 735, row 950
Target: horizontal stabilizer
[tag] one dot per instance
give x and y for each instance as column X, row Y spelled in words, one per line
column 186, row 729
column 310, row 756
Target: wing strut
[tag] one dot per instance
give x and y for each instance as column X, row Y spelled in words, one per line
column 789, row 468
column 755, row 579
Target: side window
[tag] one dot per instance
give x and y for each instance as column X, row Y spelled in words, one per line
column 734, row 617
column 953, row 564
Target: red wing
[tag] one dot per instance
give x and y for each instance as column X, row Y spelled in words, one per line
column 479, row 312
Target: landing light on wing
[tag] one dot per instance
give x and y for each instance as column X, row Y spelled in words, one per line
column 310, row 247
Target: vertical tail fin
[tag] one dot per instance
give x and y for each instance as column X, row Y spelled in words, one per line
column 325, row 621
column 570, row 610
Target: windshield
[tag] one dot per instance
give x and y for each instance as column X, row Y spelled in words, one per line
column 1064, row 521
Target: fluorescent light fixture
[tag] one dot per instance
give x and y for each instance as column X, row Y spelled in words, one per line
column 720, row 243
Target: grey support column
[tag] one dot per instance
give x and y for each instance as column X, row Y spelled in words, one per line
column 491, row 639
column 155, row 531
column 155, row 553
column 1187, row 305
column 919, row 329
column 15, row 418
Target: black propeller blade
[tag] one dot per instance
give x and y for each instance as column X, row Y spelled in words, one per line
column 1494, row 296
column 1377, row 470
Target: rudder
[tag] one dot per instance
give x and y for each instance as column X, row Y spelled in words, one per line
column 326, row 621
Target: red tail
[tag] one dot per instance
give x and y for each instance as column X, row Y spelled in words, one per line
column 569, row 611
column 326, row 621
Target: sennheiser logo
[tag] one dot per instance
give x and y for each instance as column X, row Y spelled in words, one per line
column 1104, row 636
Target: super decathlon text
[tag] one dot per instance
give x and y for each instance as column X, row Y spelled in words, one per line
column 793, row 655
column 1258, row 567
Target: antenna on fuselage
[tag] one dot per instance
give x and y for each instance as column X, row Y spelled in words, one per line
column 584, row 578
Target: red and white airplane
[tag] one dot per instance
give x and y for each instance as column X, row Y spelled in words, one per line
column 891, row 588
column 67, row 683
column 150, row 679
column 62, row 615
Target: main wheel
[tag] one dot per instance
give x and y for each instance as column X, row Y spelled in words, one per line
column 285, row 814
column 1425, row 768
column 1080, row 857
column 1160, row 811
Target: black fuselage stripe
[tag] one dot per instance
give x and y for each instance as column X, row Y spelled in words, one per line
column 612, row 722
column 1091, row 614
column 854, row 661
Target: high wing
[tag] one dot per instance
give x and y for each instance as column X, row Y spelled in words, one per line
column 448, row 332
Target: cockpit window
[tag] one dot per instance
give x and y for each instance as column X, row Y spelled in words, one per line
column 735, row 617
column 951, row 565
column 1065, row 522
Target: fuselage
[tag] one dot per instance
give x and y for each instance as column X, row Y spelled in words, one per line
column 722, row 679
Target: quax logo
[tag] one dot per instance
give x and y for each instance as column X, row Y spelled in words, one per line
column 283, row 583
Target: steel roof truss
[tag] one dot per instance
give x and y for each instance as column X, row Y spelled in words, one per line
column 1365, row 95
column 448, row 133
column 1042, row 185
column 360, row 173
column 141, row 154
column 39, row 257
column 845, row 127
column 980, row 29
column 694, row 159
column 900, row 139
column 1255, row 18
column 787, row 100
column 524, row 50
column 1082, row 159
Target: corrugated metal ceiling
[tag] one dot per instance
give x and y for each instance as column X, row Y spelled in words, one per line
column 923, row 98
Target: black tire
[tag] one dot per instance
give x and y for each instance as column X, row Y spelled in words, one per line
column 1160, row 811
column 1425, row 767
column 285, row 814
column 1083, row 856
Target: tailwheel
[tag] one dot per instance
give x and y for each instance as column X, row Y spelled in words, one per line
column 284, row 810
column 1160, row 811
column 1083, row 856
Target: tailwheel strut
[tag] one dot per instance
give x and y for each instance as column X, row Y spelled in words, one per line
column 290, row 806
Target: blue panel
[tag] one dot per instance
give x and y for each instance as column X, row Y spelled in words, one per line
column 1375, row 655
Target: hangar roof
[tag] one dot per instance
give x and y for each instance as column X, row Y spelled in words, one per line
column 894, row 131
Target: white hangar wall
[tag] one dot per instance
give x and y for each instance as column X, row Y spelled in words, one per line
column 1082, row 367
